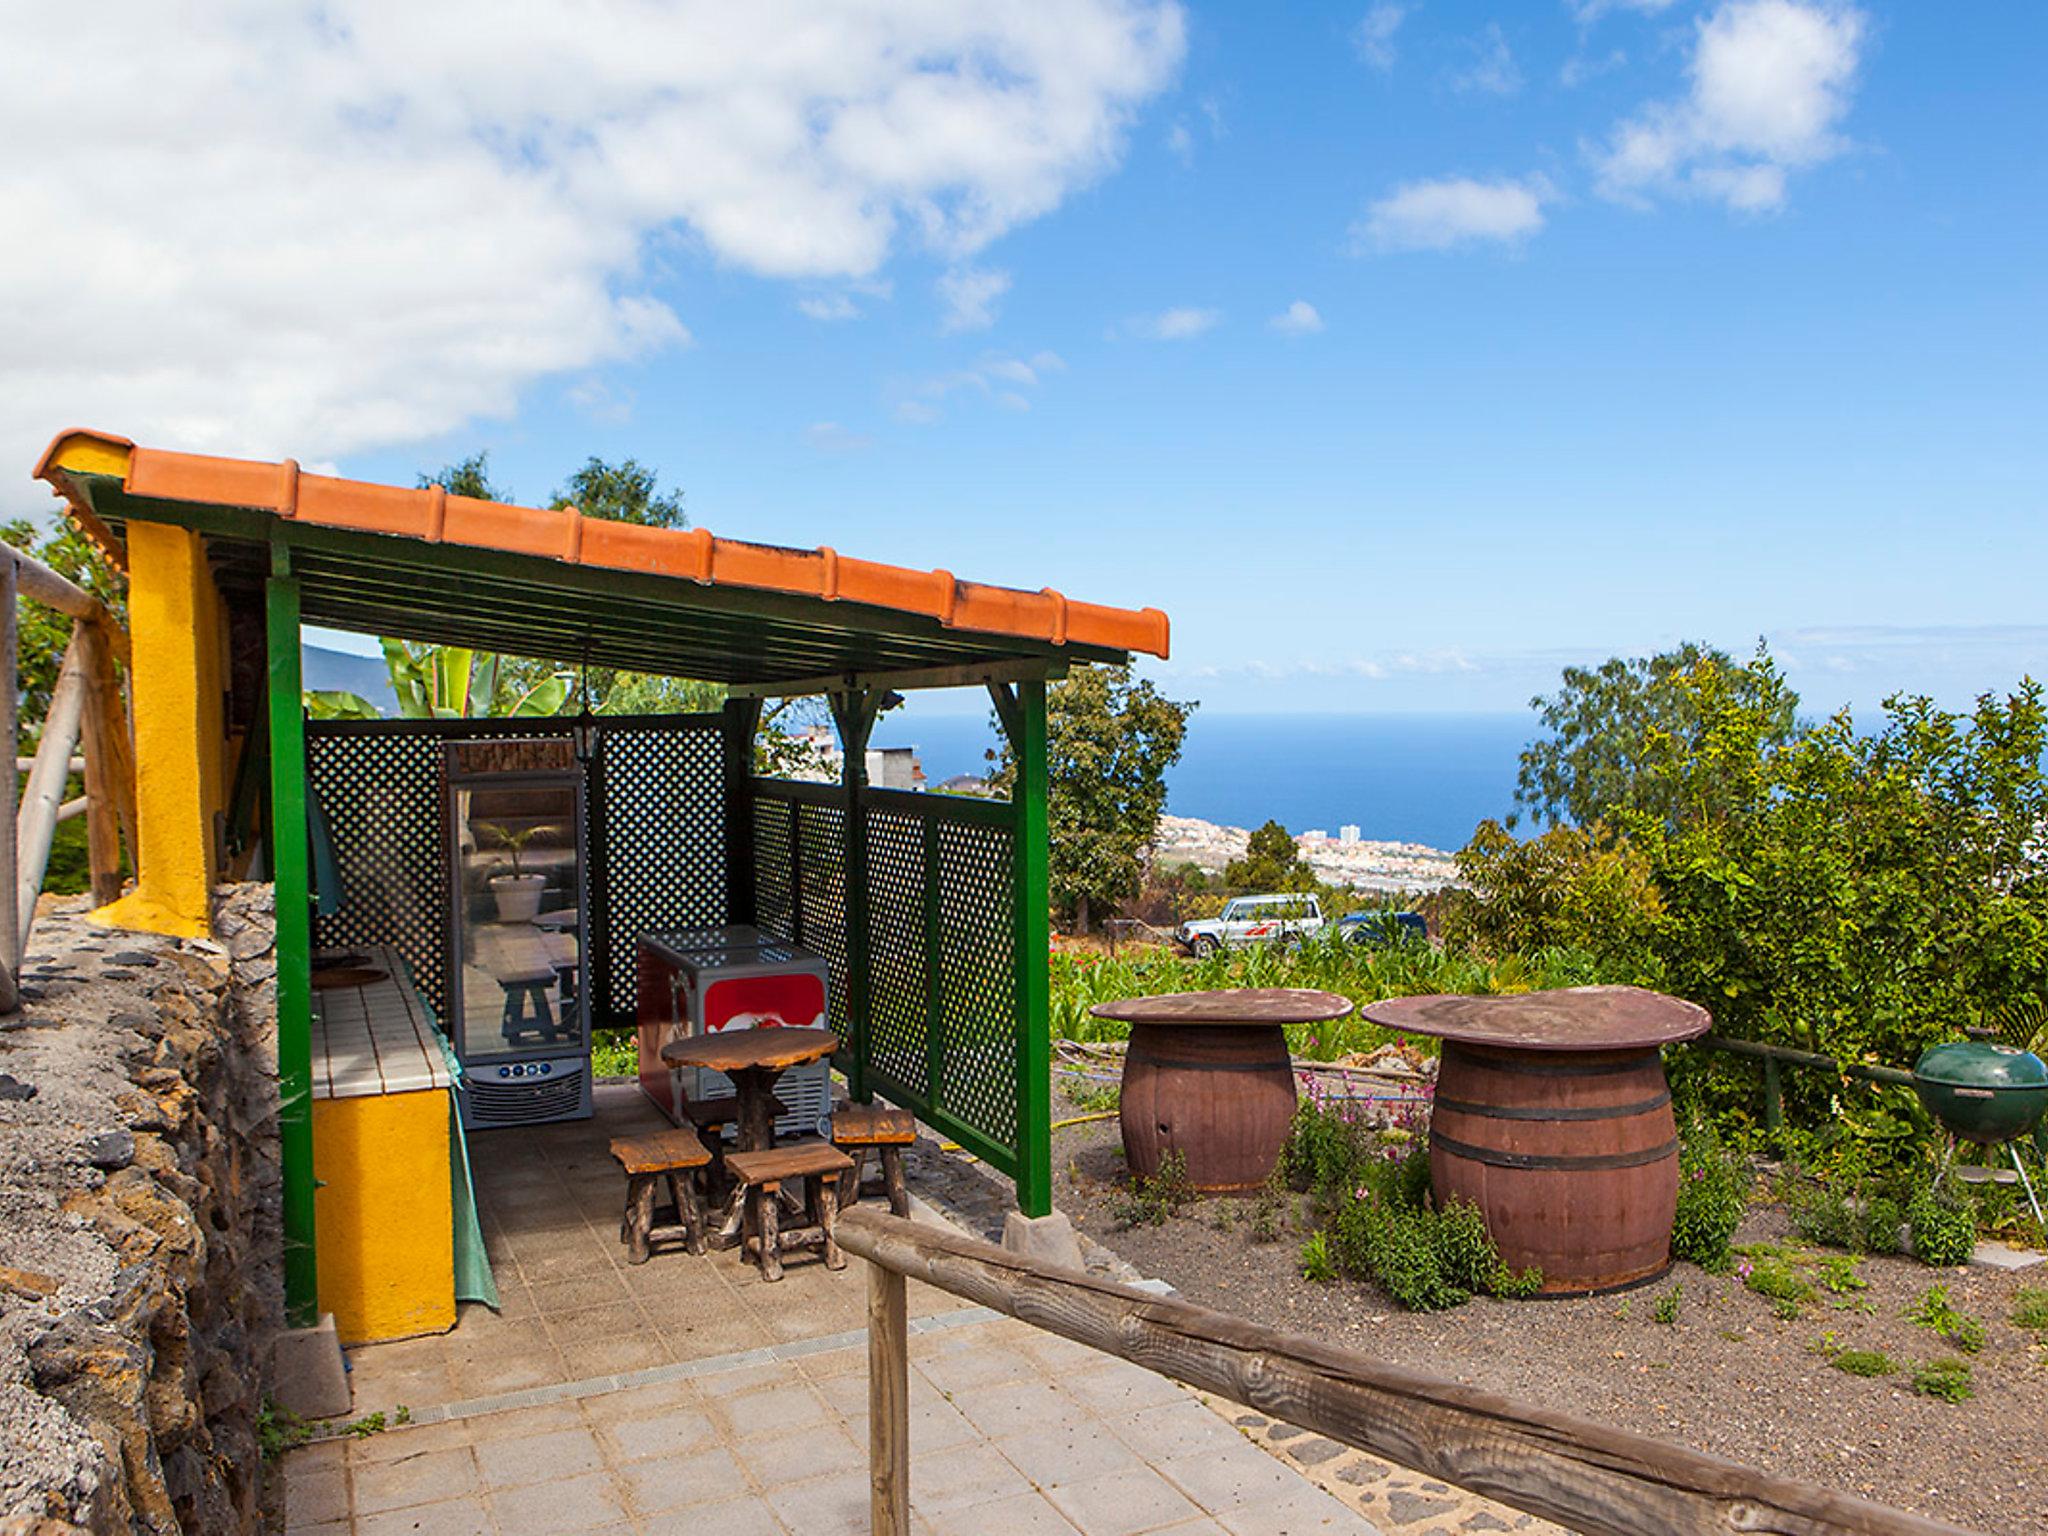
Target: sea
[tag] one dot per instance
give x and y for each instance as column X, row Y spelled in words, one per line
column 1399, row 778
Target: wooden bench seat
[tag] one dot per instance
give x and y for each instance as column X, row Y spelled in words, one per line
column 858, row 1127
column 678, row 1156
column 761, row 1176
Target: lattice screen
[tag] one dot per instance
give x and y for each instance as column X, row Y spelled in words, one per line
column 821, row 916
column 978, row 982
column 774, row 888
column 656, row 839
column 899, row 970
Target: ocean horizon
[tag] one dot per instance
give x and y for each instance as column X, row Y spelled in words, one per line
column 1399, row 778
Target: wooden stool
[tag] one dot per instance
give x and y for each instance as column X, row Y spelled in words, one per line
column 676, row 1156
column 761, row 1175
column 710, row 1117
column 856, row 1128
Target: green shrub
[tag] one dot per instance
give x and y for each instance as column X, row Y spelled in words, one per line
column 1666, row 1310
column 1316, row 1263
column 1864, row 1362
column 1152, row 1202
column 1934, row 1311
column 1823, row 1212
column 1944, row 1225
column 1425, row 1260
column 1947, row 1378
column 2030, row 1308
column 1768, row 1270
column 1882, row 1218
column 1713, row 1195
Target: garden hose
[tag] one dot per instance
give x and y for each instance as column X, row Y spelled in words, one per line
column 1058, row 1125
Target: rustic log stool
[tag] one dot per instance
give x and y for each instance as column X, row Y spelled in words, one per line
column 858, row 1127
column 673, row 1155
column 710, row 1117
column 762, row 1174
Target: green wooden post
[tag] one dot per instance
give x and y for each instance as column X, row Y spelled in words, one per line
column 288, row 859
column 1774, row 1097
column 1031, row 872
column 742, row 721
column 854, row 714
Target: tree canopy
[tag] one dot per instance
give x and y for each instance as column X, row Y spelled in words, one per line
column 1110, row 739
column 1271, row 862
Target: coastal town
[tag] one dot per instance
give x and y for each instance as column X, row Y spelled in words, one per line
column 1345, row 859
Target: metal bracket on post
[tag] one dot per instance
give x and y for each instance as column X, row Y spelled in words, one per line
column 854, row 715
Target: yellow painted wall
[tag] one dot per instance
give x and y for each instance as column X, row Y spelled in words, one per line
column 384, row 1212
column 175, row 625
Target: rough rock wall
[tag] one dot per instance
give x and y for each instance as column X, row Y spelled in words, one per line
column 139, row 1226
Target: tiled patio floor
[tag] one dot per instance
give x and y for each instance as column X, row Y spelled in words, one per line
column 544, row 1419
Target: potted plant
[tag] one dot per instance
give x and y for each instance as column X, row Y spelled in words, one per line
column 517, row 894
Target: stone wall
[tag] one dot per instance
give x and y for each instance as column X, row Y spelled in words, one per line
column 139, row 1226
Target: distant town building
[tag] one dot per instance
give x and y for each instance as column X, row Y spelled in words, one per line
column 1315, row 835
column 1348, row 833
column 888, row 767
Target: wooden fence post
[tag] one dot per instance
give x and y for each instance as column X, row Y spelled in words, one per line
column 102, row 815
column 10, row 733
column 37, row 823
column 888, row 1403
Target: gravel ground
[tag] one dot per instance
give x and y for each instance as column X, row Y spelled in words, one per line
column 1727, row 1378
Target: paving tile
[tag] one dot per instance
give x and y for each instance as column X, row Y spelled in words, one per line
column 1230, row 1477
column 639, row 1403
column 786, row 1409
column 1018, row 1514
column 961, row 1365
column 324, row 1528
column 678, row 1432
column 833, row 1364
column 819, row 1451
column 1118, row 1387
column 1122, row 1503
column 419, row 1478
column 824, row 1506
column 553, row 1299
column 454, row 1517
column 620, row 1356
column 570, row 1507
column 975, row 1473
column 675, row 1482
column 1011, row 1407
column 706, row 1338
column 396, row 1444
column 1174, row 1429
column 741, row 1380
column 517, row 1423
column 315, row 1494
column 312, row 1458
column 1055, row 1454
column 542, row 1458
column 1200, row 1526
column 1307, row 1511
column 737, row 1517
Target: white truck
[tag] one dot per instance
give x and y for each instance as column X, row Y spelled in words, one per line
column 1249, row 920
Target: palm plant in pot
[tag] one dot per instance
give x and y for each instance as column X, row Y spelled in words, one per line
column 518, row 893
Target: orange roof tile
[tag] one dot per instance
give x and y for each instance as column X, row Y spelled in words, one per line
column 566, row 535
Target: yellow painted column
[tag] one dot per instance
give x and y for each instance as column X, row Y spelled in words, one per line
column 174, row 625
column 384, row 1211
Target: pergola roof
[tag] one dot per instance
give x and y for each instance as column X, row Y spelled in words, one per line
column 553, row 583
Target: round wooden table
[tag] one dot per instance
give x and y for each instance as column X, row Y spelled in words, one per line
column 755, row 1060
column 1553, row 1117
column 1208, row 1076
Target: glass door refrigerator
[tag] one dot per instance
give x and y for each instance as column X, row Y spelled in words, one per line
column 518, row 1001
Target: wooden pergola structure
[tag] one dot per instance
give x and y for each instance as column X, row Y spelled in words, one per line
column 933, row 908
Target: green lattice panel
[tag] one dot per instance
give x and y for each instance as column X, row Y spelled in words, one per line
column 821, row 895
column 772, row 853
column 898, row 967
column 977, row 1003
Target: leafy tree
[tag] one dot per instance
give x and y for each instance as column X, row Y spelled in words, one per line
column 1271, row 862
column 1110, row 739
column 468, row 477
column 1603, row 726
column 627, row 492
column 43, row 633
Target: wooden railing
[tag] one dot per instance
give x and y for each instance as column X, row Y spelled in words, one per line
column 86, row 703
column 1582, row 1475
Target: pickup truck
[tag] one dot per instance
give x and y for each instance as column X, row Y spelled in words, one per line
column 1250, row 920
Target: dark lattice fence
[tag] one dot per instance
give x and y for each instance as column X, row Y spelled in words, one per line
column 942, row 1006
column 654, row 837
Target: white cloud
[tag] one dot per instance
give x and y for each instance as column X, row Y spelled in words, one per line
column 831, row 437
column 997, row 377
column 1454, row 211
column 1493, row 69
column 970, row 296
column 1770, row 84
column 1297, row 319
column 366, row 222
column 829, row 307
column 1373, row 37
column 1175, row 324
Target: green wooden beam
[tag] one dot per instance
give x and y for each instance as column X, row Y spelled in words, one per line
column 854, row 714
column 961, row 675
column 293, row 895
column 741, row 722
column 1032, row 916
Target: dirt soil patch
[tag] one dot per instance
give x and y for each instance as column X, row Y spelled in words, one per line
column 1728, row 1377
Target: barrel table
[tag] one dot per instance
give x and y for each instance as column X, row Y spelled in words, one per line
column 1208, row 1076
column 1553, row 1117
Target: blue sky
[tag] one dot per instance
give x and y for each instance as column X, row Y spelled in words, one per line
column 1624, row 324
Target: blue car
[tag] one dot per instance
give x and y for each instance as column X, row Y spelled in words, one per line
column 1384, row 929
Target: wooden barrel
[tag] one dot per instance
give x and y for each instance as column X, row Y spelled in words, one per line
column 1573, row 1158
column 1221, row 1095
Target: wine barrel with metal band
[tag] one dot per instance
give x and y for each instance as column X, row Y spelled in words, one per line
column 1208, row 1077
column 1553, row 1117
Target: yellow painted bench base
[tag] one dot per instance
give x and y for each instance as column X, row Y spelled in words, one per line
column 384, row 1215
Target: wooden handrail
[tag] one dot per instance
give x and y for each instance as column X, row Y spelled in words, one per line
column 1584, row 1476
